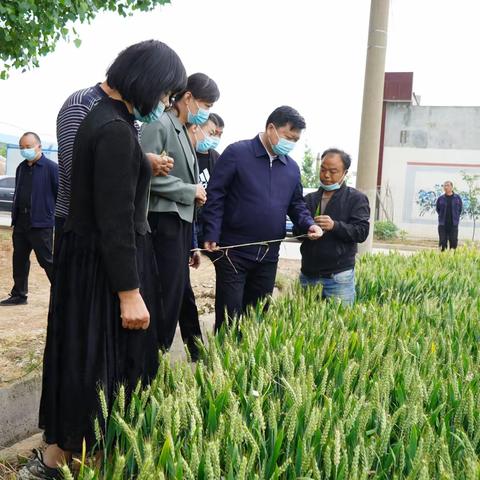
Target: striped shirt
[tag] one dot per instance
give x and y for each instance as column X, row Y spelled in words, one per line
column 69, row 118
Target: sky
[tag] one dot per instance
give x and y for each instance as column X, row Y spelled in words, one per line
column 309, row 54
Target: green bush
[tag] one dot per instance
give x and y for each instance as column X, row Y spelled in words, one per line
column 385, row 230
column 387, row 389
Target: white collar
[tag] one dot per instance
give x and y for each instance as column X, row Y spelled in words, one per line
column 272, row 157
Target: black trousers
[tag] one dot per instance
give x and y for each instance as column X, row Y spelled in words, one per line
column 448, row 236
column 189, row 321
column 172, row 240
column 240, row 287
column 24, row 241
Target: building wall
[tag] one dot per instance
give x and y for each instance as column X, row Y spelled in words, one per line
column 414, row 126
column 424, row 146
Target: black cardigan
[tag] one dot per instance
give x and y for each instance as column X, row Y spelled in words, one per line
column 109, row 194
column 335, row 251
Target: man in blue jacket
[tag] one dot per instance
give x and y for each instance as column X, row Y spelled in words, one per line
column 449, row 208
column 254, row 185
column 36, row 186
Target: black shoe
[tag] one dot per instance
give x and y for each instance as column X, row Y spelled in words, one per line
column 36, row 469
column 13, row 300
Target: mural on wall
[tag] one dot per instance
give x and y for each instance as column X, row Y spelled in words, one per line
column 424, row 185
column 427, row 199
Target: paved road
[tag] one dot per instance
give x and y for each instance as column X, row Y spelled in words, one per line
column 290, row 250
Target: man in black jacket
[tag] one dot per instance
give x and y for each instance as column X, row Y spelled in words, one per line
column 343, row 213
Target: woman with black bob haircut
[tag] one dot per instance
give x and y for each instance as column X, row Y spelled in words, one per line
column 173, row 198
column 145, row 72
column 106, row 285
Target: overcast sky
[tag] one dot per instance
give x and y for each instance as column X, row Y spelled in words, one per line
column 308, row 54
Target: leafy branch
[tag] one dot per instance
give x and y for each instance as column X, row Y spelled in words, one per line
column 31, row 29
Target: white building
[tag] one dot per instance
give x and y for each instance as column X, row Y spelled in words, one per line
column 422, row 147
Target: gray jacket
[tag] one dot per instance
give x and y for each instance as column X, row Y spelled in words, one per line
column 176, row 191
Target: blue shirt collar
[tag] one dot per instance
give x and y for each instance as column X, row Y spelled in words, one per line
column 41, row 160
column 260, row 150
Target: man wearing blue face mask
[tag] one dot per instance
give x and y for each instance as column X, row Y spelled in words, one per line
column 343, row 213
column 36, row 187
column 254, row 185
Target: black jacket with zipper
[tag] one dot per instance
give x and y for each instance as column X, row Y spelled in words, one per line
column 335, row 251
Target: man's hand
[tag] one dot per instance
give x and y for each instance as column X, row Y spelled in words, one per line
column 161, row 164
column 210, row 246
column 195, row 260
column 200, row 195
column 314, row 232
column 324, row 222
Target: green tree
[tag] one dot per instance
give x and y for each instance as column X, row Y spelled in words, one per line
column 471, row 199
column 309, row 169
column 30, row 29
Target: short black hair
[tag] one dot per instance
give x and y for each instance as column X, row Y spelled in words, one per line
column 346, row 158
column 188, row 124
column 145, row 72
column 34, row 135
column 217, row 120
column 285, row 115
column 202, row 87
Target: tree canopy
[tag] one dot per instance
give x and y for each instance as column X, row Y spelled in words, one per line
column 30, row 29
column 309, row 169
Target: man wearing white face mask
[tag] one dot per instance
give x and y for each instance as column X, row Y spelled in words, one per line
column 343, row 213
column 36, row 187
column 254, row 185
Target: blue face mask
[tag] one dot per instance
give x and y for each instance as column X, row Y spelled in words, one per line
column 203, row 146
column 198, row 118
column 284, row 146
column 153, row 116
column 215, row 142
column 333, row 186
column 28, row 153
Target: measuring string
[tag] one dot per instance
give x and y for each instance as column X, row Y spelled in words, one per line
column 265, row 243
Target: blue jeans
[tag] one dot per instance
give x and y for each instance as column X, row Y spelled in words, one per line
column 340, row 285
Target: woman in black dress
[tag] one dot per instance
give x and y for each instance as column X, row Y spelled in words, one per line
column 106, row 287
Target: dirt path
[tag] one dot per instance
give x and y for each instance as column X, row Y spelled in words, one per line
column 22, row 328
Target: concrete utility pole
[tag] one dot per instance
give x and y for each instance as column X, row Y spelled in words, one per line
column 372, row 109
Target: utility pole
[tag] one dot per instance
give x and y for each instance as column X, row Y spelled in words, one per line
column 372, row 109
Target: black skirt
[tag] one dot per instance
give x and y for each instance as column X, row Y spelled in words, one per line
column 86, row 347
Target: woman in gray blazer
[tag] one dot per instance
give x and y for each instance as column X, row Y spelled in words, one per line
column 173, row 198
